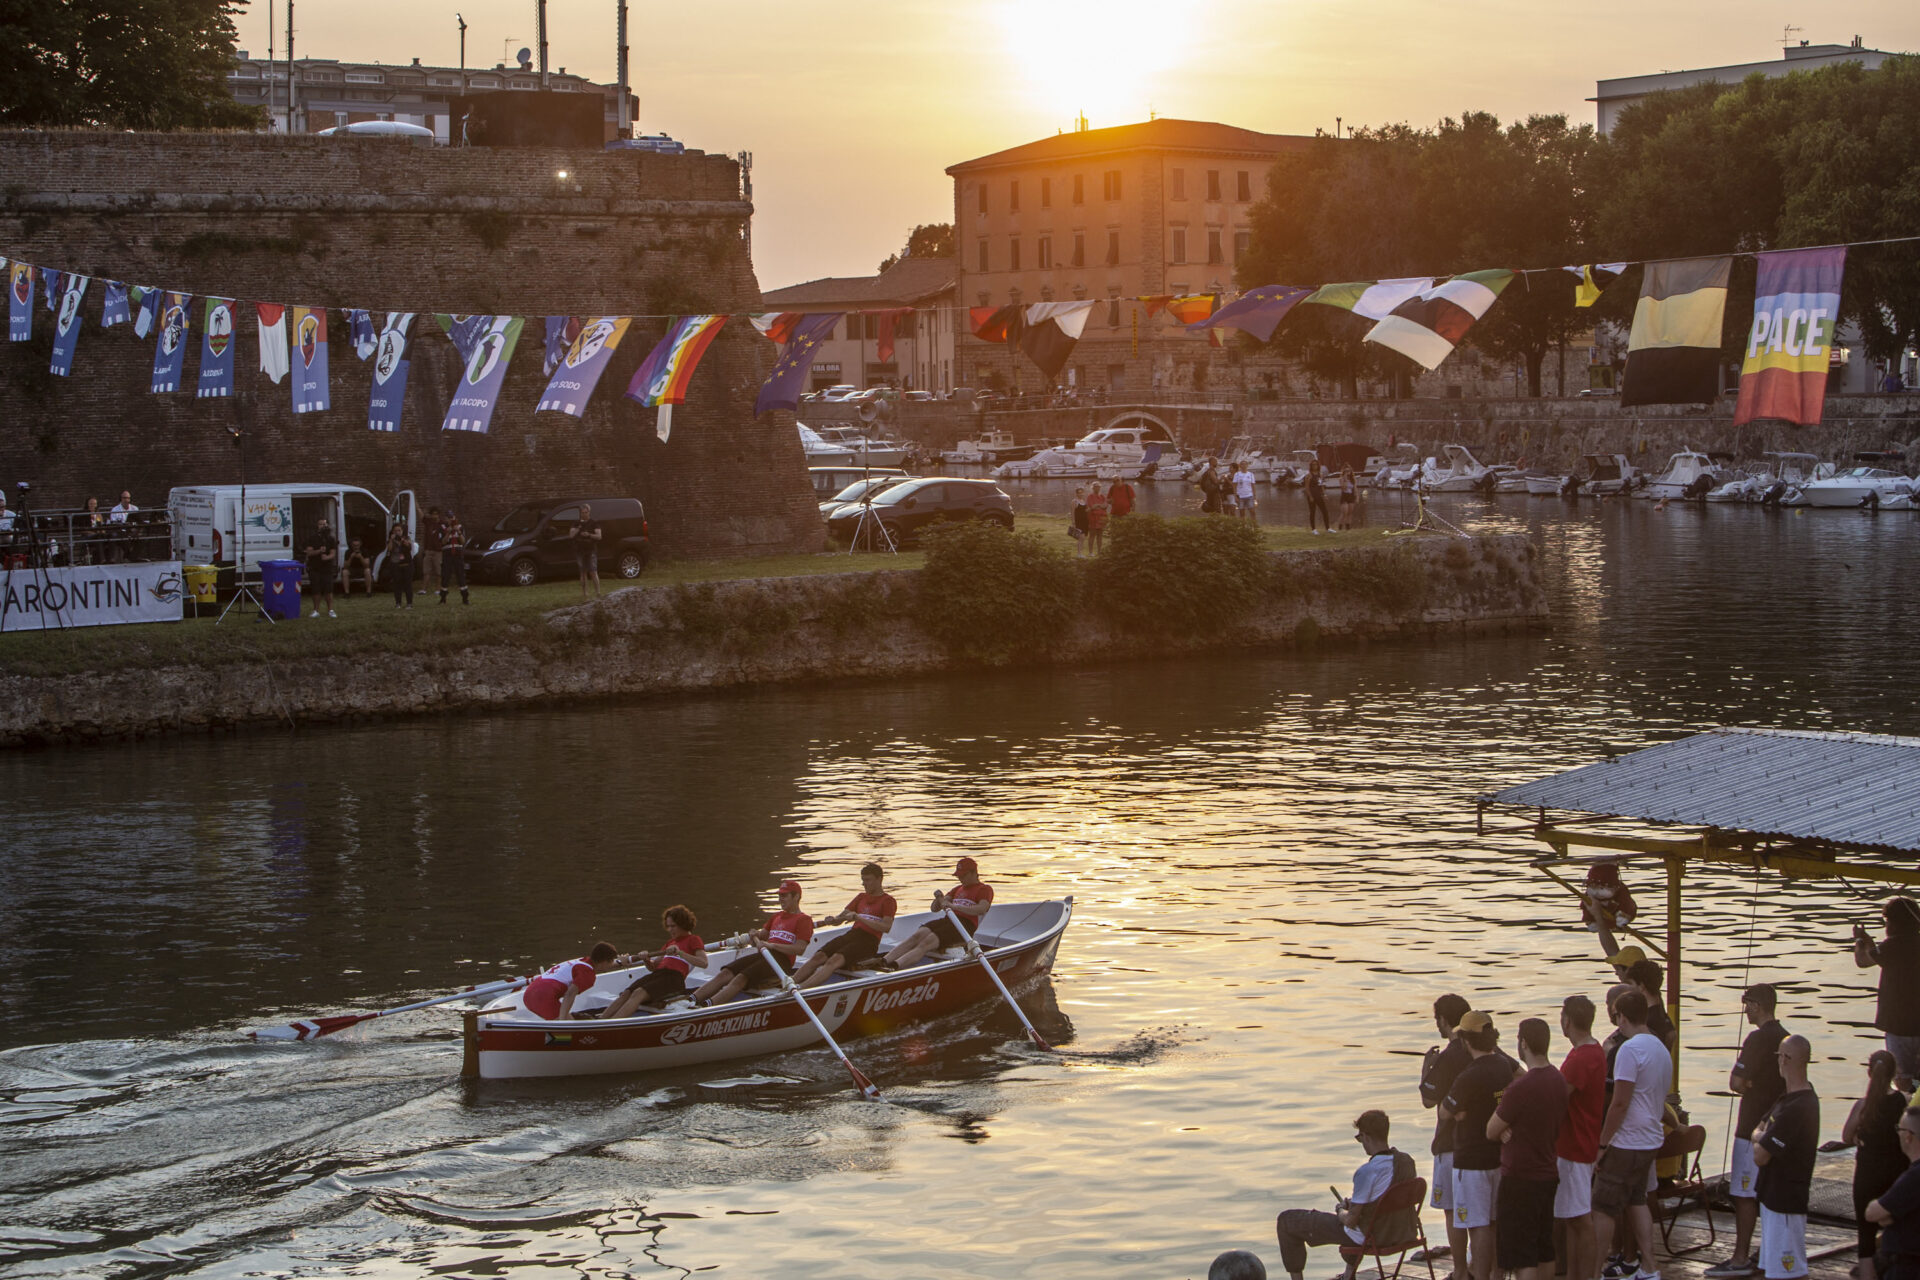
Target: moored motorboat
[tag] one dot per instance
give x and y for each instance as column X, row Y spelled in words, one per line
column 1856, row 487
column 504, row 1041
column 1608, row 474
column 1462, row 474
column 1688, row 475
column 1542, row 485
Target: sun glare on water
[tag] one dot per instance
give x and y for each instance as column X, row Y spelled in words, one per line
column 1108, row 58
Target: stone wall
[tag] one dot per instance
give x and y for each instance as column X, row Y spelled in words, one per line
column 651, row 640
column 387, row 225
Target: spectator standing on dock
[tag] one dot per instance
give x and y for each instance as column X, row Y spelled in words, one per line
column 1648, row 977
column 323, row 562
column 1442, row 1066
column 1527, row 1126
column 453, row 558
column 1316, row 499
column 1098, row 510
column 1756, row 1079
column 430, row 538
column 1476, row 1157
column 1897, row 1212
column 1585, row 1073
column 1873, row 1126
column 1298, row 1229
column 1784, row 1146
column 1631, row 1134
column 1897, row 1012
column 1120, row 498
column 400, row 563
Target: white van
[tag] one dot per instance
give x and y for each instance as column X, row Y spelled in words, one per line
column 208, row 521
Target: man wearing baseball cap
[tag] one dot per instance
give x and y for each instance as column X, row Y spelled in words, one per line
column 785, row 936
column 1624, row 959
column 970, row 900
column 1475, row 1095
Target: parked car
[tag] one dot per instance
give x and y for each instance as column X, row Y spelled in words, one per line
column 859, row 491
column 828, row 481
column 919, row 395
column 838, row 392
column 911, row 506
column 961, row 393
column 535, row 541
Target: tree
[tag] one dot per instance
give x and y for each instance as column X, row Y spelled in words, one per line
column 120, row 64
column 929, row 240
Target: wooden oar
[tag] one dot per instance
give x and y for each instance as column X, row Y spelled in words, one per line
column 973, row 949
column 860, row 1081
column 314, row 1028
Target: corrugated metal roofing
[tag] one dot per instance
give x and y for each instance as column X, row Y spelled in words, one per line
column 1844, row 788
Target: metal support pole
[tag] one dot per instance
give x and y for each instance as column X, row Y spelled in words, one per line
column 1674, row 865
column 624, row 114
column 289, row 66
column 540, row 28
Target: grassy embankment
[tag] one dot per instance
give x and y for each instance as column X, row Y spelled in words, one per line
column 498, row 615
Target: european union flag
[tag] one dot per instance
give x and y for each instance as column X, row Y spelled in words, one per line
column 789, row 376
column 1257, row 311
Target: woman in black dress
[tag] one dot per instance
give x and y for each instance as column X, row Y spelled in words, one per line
column 1873, row 1128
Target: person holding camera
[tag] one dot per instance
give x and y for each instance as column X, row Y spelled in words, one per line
column 1897, row 1010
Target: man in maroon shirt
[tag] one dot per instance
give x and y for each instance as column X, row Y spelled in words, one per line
column 1527, row 1126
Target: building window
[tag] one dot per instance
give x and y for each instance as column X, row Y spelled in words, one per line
column 1043, row 253
column 1079, row 248
column 1179, row 251
column 1242, row 242
column 1213, row 185
column 983, row 197
column 1046, row 293
column 1113, row 248
column 1214, row 251
column 983, row 256
column 1013, row 254
column 1079, row 188
column 1013, row 197
column 1110, row 184
column 1246, row 185
column 1046, row 193
column 1179, row 184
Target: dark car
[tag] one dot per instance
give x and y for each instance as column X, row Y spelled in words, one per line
column 535, row 540
column 912, row 505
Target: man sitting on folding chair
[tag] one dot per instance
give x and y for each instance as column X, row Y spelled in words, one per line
column 1300, row 1228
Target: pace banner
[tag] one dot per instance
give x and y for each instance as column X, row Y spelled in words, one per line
column 487, row 342
column 216, row 349
column 89, row 596
column 390, row 365
column 170, row 350
column 1796, row 304
column 310, row 360
column 579, row 370
column 66, row 324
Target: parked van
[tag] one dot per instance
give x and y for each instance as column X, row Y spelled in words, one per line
column 535, row 541
column 211, row 526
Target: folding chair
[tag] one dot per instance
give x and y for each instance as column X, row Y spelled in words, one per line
column 1401, row 1196
column 1690, row 1186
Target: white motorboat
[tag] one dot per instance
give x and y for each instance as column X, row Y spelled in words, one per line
column 1293, row 469
column 1609, row 473
column 1542, row 485
column 996, row 446
column 1398, row 475
column 1857, row 487
column 1462, row 474
column 1741, row 487
column 1688, row 475
column 847, row 447
column 1116, row 451
column 1507, row 478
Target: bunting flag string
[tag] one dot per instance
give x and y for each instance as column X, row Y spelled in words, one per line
column 1593, row 280
column 66, row 327
column 782, row 387
column 579, row 370
column 1673, row 350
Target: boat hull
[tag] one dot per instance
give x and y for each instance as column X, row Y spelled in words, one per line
column 514, row 1045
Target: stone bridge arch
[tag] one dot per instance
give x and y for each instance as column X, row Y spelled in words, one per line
column 1126, row 416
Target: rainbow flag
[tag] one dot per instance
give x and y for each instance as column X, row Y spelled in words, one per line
column 663, row 376
column 1796, row 305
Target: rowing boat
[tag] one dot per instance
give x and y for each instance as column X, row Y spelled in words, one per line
column 504, row 1041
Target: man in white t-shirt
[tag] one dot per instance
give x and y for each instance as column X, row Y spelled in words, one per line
column 1300, row 1228
column 126, row 508
column 1242, row 481
column 1631, row 1134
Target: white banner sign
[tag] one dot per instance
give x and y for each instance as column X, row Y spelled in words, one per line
column 89, row 596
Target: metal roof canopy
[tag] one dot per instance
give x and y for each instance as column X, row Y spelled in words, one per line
column 1851, row 790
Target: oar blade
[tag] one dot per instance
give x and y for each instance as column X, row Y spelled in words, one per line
column 1038, row 1043
column 868, row 1089
column 312, row 1028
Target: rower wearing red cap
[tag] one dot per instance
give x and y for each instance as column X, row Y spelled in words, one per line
column 970, row 900
column 785, row 936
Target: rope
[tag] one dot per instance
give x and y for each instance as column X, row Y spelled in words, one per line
column 1746, row 975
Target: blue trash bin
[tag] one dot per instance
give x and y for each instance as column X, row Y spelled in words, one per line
column 280, row 588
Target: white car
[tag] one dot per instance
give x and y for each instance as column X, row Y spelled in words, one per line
column 843, row 391
column 919, row 395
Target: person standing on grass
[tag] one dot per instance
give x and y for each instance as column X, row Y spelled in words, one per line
column 1316, row 499
column 1879, row 1157
column 1098, row 509
column 1527, row 1126
column 1349, row 494
column 1585, row 1072
column 430, row 538
column 322, row 553
column 1079, row 527
column 1631, row 1135
column 1756, row 1079
column 400, row 563
column 1785, row 1144
column 1120, row 498
column 453, row 558
column 586, row 550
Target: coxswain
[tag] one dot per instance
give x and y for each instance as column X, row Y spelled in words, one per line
column 970, row 900
column 784, row 937
column 871, row 913
column 551, row 995
column 667, row 968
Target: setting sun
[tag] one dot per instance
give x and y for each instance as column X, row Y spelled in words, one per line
column 1104, row 58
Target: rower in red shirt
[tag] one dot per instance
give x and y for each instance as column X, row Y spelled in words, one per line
column 667, row 968
column 872, row 914
column 551, row 995
column 785, row 936
column 970, row 900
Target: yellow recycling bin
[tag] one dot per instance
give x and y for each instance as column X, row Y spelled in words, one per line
column 202, row 581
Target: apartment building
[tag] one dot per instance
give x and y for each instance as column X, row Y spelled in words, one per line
column 922, row 358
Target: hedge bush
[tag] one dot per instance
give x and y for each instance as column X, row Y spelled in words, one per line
column 990, row 594
column 1194, row 576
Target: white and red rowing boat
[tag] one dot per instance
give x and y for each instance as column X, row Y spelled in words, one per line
column 504, row 1041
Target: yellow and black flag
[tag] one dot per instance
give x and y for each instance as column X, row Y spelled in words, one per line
column 1673, row 353
column 1592, row 279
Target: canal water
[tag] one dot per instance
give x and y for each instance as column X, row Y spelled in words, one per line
column 1273, row 859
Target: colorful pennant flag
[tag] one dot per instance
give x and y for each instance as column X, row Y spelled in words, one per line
column 66, row 327
column 782, row 388
column 1257, row 311
column 1050, row 330
column 1673, row 351
column 561, row 332
column 146, row 309
column 888, row 320
column 1187, row 308
column 994, row 324
column 217, row 340
column 1593, row 280
column 170, row 351
column 573, row 382
column 311, row 392
column 1374, row 299
column 360, row 333
column 19, row 302
column 487, row 342
column 662, row 378
column 1427, row 328
column 390, row 364
column 778, row 325
column 272, row 321
column 1796, row 305
column 113, row 304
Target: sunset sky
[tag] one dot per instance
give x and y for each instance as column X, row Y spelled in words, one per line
column 853, row 110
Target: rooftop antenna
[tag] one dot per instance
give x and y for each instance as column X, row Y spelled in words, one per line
column 1080, row 123
column 503, row 48
column 1786, row 36
column 463, row 51
column 289, row 66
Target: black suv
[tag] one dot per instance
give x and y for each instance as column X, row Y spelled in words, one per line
column 535, row 541
column 912, row 505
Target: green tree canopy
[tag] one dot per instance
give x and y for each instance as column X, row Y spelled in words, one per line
column 121, row 64
column 929, row 240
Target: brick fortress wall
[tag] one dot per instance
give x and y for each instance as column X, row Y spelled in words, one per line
column 382, row 224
